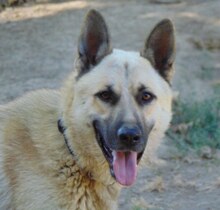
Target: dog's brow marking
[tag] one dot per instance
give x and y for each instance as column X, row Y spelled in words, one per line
column 142, row 87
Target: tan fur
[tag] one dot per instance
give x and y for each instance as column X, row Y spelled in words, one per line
column 36, row 169
column 35, row 157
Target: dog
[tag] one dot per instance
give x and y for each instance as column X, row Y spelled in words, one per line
column 75, row 148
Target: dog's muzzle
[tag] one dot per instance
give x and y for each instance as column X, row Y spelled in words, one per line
column 123, row 151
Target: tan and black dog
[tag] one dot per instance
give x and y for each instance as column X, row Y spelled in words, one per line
column 74, row 148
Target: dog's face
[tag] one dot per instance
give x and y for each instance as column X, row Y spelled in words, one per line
column 120, row 97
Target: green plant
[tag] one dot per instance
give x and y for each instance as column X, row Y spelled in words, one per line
column 196, row 125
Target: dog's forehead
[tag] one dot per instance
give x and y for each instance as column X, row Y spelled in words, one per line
column 126, row 61
column 121, row 70
column 125, row 66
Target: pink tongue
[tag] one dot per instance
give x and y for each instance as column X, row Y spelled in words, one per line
column 125, row 167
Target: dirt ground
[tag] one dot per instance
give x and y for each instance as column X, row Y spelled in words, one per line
column 37, row 46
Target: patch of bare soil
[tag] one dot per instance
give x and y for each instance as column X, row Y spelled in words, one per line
column 37, row 46
column 180, row 183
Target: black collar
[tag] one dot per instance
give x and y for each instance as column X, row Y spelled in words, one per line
column 62, row 130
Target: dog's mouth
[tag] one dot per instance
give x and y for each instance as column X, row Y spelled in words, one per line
column 122, row 164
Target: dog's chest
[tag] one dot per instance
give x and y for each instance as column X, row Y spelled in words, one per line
column 80, row 192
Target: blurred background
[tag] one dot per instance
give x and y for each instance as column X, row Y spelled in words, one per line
column 38, row 42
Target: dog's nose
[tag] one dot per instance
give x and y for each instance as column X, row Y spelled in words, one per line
column 129, row 134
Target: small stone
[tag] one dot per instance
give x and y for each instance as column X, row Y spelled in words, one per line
column 206, row 152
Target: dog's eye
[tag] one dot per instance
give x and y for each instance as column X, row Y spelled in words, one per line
column 108, row 96
column 145, row 97
column 105, row 95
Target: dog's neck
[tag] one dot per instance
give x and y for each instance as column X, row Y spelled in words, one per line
column 87, row 181
column 89, row 174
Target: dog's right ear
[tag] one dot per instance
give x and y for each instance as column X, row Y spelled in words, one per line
column 94, row 41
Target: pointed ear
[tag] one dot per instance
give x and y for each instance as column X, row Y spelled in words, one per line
column 94, row 41
column 159, row 48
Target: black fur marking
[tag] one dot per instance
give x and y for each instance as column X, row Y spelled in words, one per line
column 102, row 142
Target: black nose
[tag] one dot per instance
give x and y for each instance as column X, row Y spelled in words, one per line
column 129, row 134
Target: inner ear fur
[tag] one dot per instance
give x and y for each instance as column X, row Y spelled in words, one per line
column 159, row 48
column 94, row 41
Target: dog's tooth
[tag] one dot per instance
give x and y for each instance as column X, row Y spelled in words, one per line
column 114, row 155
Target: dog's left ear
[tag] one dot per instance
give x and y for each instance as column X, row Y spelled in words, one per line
column 94, row 41
column 159, row 48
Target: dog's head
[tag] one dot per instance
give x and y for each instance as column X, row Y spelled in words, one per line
column 116, row 99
